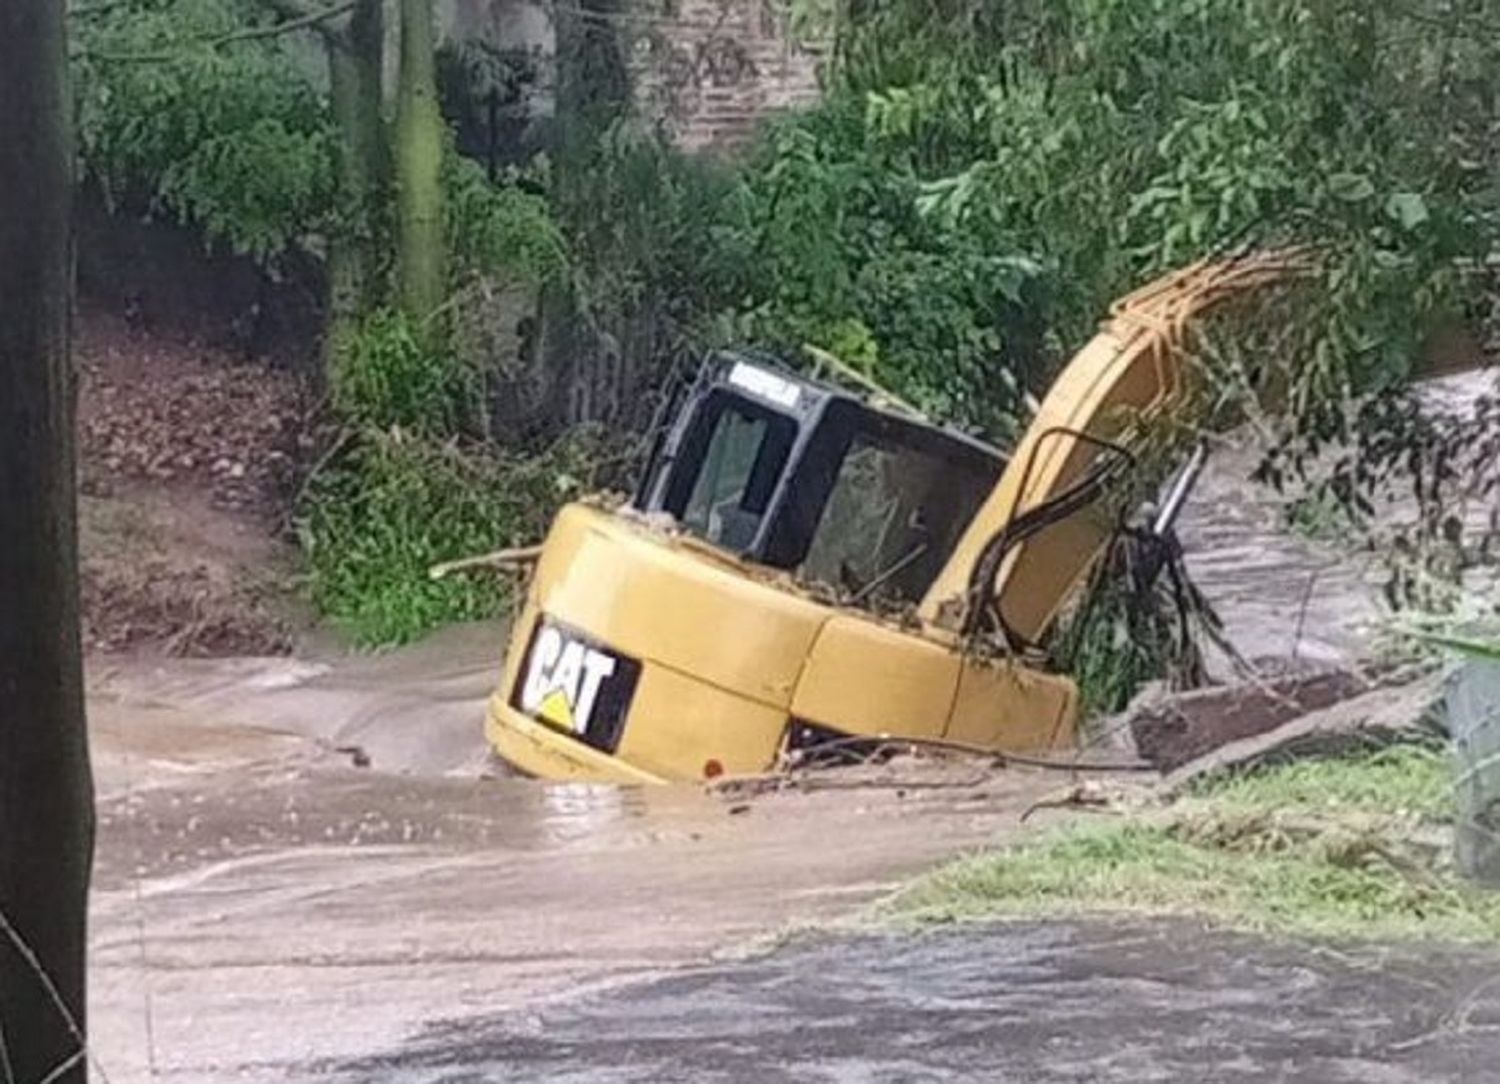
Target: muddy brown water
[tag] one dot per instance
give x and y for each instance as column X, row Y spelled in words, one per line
column 250, row 924
column 266, row 910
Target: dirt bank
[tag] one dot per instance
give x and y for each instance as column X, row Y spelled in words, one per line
column 187, row 459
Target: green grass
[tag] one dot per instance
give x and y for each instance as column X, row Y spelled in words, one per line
column 1333, row 849
column 1400, row 779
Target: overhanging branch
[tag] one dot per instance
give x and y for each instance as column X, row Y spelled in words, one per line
column 305, row 21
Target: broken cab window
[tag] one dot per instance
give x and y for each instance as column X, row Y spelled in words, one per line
column 892, row 518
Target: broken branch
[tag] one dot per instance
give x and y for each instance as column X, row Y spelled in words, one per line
column 515, row 557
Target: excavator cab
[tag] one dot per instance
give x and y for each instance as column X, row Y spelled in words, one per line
column 806, row 478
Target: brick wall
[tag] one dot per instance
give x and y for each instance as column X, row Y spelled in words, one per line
column 710, row 70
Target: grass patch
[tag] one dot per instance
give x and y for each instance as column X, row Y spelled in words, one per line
column 1338, row 849
column 1400, row 779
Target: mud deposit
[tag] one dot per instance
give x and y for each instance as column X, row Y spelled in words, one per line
column 1026, row 1002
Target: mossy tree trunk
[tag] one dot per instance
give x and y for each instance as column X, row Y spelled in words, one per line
column 356, row 250
column 421, row 249
column 46, row 792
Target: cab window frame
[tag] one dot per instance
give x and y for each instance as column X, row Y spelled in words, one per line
column 767, row 475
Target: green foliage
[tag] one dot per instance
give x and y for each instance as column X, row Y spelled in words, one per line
column 500, row 229
column 396, row 504
column 643, row 224
column 1124, row 639
column 983, row 179
column 413, row 487
column 824, row 243
column 389, row 376
column 231, row 138
column 1346, row 848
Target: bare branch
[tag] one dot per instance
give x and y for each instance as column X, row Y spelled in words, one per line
column 307, row 20
column 86, row 11
column 517, row 557
column 287, row 9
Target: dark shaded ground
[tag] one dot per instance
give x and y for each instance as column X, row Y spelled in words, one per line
column 1037, row 1002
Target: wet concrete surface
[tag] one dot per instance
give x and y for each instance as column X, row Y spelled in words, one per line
column 1032, row 1002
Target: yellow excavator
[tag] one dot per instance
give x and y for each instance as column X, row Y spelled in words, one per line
column 803, row 565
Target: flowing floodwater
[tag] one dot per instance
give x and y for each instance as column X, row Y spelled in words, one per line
column 252, row 923
column 306, row 869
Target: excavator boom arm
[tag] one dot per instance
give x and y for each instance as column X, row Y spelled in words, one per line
column 1130, row 375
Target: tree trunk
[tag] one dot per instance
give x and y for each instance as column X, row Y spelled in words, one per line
column 421, row 251
column 593, row 94
column 46, row 793
column 355, row 249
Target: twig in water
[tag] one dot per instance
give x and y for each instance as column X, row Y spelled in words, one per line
column 7, row 1071
column 1312, row 582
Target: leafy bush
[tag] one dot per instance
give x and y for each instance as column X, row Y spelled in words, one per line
column 983, row 179
column 235, row 140
column 396, row 504
column 388, row 375
column 500, row 229
column 829, row 248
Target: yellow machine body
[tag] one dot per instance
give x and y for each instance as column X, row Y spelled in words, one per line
column 706, row 664
column 730, row 659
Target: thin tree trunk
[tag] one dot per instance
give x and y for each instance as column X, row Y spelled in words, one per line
column 593, row 93
column 355, row 248
column 421, row 251
column 46, row 792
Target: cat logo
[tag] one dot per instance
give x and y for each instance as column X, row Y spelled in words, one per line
column 567, row 681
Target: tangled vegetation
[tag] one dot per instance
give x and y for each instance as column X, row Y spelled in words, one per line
column 1349, row 848
column 984, row 179
column 235, row 141
column 397, row 504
